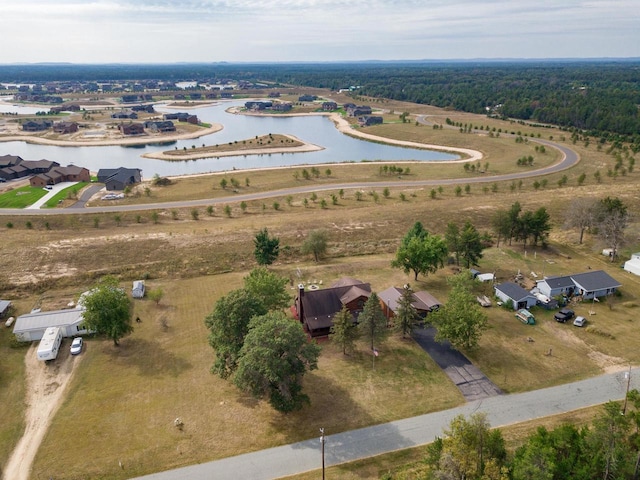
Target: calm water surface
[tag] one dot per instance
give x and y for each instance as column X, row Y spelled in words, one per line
column 318, row 130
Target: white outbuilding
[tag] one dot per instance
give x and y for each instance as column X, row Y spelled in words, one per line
column 633, row 265
column 138, row 289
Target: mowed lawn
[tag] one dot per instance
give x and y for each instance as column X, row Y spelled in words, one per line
column 21, row 197
column 123, row 401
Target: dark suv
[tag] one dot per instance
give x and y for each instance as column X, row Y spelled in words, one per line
column 564, row 315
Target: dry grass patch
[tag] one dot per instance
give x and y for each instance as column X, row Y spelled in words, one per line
column 133, row 393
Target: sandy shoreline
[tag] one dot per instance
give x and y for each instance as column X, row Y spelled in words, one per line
column 341, row 124
column 142, row 140
column 306, row 147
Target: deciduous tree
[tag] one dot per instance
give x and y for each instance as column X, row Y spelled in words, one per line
column 469, row 450
column 612, row 220
column 228, row 325
column 581, row 214
column 273, row 360
column 460, row 320
column 316, row 244
column 420, row 253
column 269, row 287
column 108, row 310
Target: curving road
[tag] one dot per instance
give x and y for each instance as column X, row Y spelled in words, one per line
column 411, row 432
column 568, row 160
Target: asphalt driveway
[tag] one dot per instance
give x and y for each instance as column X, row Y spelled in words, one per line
column 472, row 383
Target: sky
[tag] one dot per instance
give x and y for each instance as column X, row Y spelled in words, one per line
column 163, row 31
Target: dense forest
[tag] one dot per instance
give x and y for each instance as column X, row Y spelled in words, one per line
column 597, row 97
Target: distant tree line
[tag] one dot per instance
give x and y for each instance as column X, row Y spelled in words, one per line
column 598, row 97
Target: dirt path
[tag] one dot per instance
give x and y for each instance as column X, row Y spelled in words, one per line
column 46, row 385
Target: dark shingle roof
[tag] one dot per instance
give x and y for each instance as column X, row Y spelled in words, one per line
column 595, row 280
column 513, row 291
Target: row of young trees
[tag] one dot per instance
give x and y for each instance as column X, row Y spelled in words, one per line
column 607, row 449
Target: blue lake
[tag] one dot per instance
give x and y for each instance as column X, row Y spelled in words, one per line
column 318, row 130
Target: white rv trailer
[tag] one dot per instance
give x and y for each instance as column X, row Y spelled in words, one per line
column 50, row 344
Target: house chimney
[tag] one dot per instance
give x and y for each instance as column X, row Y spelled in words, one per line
column 299, row 302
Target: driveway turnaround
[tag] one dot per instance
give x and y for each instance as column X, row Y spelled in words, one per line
column 411, row 432
column 472, row 383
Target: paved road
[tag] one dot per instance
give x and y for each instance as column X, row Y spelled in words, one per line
column 569, row 159
column 472, row 383
column 366, row 442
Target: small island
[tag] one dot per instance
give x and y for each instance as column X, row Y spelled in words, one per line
column 270, row 143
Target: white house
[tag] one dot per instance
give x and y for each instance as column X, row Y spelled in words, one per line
column 31, row 326
column 594, row 283
column 633, row 265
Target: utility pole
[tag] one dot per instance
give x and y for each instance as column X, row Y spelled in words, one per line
column 322, row 440
column 628, row 376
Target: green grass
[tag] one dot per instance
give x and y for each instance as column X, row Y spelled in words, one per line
column 64, row 194
column 21, row 197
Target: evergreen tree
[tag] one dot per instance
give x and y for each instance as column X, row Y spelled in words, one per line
column 267, row 248
column 372, row 323
column 344, row 331
column 470, row 245
column 406, row 316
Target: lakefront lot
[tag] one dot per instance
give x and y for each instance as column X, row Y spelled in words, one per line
column 117, row 418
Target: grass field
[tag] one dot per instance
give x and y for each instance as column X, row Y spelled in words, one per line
column 21, row 197
column 123, row 401
column 134, row 393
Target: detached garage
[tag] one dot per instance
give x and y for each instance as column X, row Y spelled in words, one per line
column 31, row 326
column 518, row 296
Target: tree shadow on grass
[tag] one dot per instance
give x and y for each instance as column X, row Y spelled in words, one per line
column 149, row 357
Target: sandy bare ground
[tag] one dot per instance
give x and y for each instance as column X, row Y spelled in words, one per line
column 112, row 141
column 46, row 385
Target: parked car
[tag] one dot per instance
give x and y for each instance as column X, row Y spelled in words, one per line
column 564, row 315
column 76, row 346
column 48, row 187
column 2, row 179
column 579, row 321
